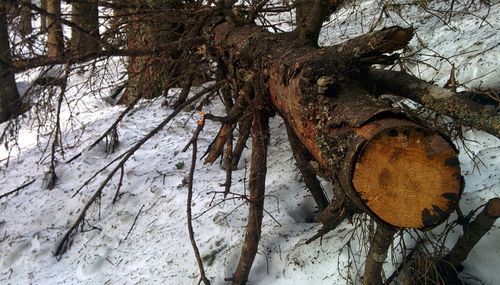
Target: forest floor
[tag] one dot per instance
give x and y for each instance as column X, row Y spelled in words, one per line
column 143, row 238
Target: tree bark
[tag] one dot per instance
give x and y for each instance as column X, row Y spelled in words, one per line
column 473, row 232
column 256, row 186
column 311, row 14
column 377, row 255
column 151, row 76
column 443, row 101
column 55, row 40
column 399, row 172
column 25, row 26
column 9, row 96
column 303, row 159
column 43, row 17
column 85, row 37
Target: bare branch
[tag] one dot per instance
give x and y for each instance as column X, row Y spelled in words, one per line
column 66, row 240
column 441, row 100
column 194, row 143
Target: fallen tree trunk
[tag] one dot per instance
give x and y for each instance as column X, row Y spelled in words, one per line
column 387, row 164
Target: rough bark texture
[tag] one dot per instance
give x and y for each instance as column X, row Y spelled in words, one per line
column 303, row 159
column 85, row 37
column 25, row 26
column 319, row 94
column 441, row 100
column 43, row 18
column 474, row 232
column 377, row 255
column 151, row 76
column 310, row 17
column 55, row 40
column 256, row 186
column 9, row 96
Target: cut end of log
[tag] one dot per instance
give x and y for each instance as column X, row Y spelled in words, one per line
column 408, row 176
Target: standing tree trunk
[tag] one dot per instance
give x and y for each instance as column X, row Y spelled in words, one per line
column 85, row 37
column 43, row 17
column 55, row 40
column 25, row 26
column 151, row 76
column 9, row 96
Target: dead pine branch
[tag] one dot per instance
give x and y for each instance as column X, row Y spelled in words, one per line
column 310, row 18
column 111, row 131
column 444, row 101
column 120, row 183
column 51, row 177
column 194, row 143
column 445, row 270
column 234, row 114
column 377, row 254
column 404, row 263
column 473, row 232
column 133, row 223
column 333, row 215
column 256, row 186
column 228, row 162
column 17, row 189
column 303, row 159
column 244, row 133
column 67, row 238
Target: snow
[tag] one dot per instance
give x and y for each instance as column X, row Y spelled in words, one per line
column 157, row 249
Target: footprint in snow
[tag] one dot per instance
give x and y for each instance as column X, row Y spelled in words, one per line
column 97, row 263
column 14, row 255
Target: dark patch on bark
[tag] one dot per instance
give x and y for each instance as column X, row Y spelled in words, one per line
column 452, row 162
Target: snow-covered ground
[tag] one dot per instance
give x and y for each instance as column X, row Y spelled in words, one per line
column 143, row 239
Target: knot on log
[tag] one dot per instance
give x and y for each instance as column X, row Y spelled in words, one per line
column 379, row 257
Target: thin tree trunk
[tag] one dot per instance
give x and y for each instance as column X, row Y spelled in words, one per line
column 85, row 37
column 9, row 96
column 55, row 40
column 151, row 76
column 25, row 26
column 43, row 17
